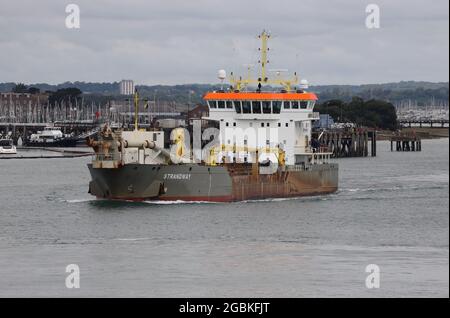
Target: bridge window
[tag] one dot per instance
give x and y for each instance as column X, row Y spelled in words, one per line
column 246, row 107
column 294, row 104
column 256, row 105
column 238, row 107
column 229, row 104
column 212, row 104
column 303, row 104
column 311, row 104
column 276, row 105
column 287, row 104
column 220, row 104
column 267, row 108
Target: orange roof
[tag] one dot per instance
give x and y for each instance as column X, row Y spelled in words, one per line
column 259, row 96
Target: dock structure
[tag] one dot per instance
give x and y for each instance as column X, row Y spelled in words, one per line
column 431, row 123
column 349, row 143
column 56, row 153
column 406, row 143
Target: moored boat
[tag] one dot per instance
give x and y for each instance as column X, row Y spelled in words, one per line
column 50, row 137
column 7, row 147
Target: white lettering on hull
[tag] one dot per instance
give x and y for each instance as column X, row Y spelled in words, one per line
column 177, row 176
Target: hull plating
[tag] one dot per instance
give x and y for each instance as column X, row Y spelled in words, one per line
column 192, row 182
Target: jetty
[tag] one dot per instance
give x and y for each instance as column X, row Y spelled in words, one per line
column 47, row 153
column 344, row 143
column 406, row 142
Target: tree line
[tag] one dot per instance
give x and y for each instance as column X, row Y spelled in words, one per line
column 69, row 94
column 364, row 113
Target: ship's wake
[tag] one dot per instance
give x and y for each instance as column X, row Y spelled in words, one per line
column 84, row 200
column 165, row 202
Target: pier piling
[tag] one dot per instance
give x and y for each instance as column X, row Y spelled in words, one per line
column 350, row 143
column 406, row 143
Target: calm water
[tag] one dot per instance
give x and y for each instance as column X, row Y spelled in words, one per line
column 392, row 211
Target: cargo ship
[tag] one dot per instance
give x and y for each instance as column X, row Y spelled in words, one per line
column 256, row 144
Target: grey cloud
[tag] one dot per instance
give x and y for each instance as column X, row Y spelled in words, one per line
column 178, row 41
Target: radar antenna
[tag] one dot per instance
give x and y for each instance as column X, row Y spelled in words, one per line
column 239, row 83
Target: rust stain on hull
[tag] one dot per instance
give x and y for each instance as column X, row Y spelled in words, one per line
column 284, row 184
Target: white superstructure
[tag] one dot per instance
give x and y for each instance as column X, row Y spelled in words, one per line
column 258, row 120
column 49, row 134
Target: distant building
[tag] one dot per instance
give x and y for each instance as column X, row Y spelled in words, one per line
column 198, row 113
column 126, row 87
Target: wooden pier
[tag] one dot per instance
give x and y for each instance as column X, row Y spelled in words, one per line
column 406, row 143
column 432, row 123
column 349, row 143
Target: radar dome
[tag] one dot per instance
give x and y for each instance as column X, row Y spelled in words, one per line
column 222, row 74
column 304, row 84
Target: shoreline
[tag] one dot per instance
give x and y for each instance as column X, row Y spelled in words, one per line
column 422, row 133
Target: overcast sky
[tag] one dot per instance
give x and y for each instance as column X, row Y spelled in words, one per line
column 187, row 41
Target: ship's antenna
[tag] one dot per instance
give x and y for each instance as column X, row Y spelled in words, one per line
column 264, row 36
column 238, row 83
column 136, row 106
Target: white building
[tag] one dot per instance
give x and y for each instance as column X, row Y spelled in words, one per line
column 126, row 87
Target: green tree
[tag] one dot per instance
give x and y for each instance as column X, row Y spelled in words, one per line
column 34, row 90
column 372, row 113
column 20, row 88
column 68, row 95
